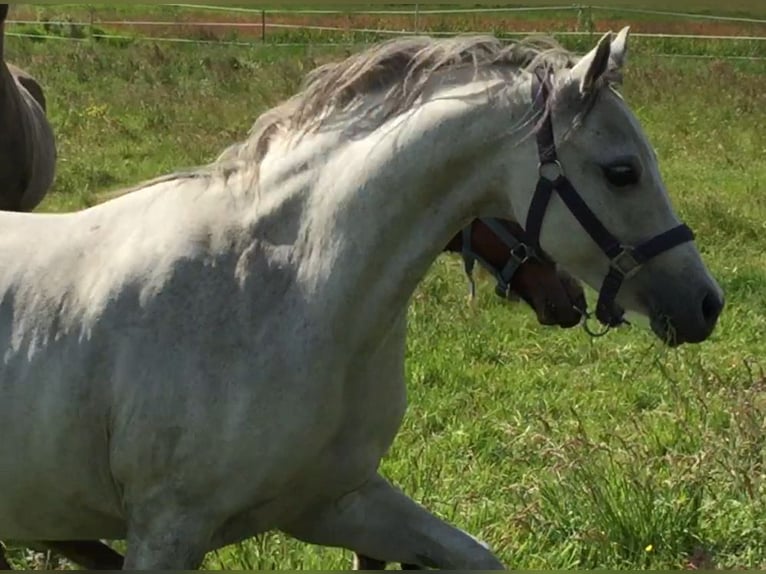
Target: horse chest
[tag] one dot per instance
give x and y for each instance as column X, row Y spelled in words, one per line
column 374, row 406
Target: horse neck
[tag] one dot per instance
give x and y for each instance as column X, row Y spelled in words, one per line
column 384, row 206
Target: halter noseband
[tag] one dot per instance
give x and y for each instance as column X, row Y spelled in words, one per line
column 624, row 261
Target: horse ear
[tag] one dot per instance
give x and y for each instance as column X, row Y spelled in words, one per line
column 619, row 49
column 593, row 65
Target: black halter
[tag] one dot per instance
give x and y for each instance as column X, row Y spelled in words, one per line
column 624, row 260
column 518, row 254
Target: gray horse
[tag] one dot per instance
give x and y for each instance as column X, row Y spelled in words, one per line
column 27, row 143
column 555, row 297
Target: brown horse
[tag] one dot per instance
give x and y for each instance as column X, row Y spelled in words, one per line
column 554, row 295
column 27, row 143
column 520, row 272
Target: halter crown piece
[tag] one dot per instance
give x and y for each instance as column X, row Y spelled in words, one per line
column 624, row 261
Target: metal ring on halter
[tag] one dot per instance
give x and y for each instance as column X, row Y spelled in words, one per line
column 625, row 262
column 591, row 332
column 586, row 316
column 521, row 253
column 550, row 164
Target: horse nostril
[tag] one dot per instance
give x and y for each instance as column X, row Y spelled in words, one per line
column 712, row 305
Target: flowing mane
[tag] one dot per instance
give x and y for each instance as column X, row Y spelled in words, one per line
column 401, row 69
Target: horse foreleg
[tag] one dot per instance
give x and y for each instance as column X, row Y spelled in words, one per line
column 4, row 565
column 380, row 521
column 90, row 554
column 362, row 562
column 165, row 538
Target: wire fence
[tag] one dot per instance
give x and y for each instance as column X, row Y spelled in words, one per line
column 260, row 26
column 283, row 26
column 478, row 10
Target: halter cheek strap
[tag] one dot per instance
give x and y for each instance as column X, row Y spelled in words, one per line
column 624, row 261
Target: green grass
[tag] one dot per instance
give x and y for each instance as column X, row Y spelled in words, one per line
column 560, row 451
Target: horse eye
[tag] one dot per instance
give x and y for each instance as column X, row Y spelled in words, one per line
column 621, row 175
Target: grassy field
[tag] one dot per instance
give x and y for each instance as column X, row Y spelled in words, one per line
column 561, row 451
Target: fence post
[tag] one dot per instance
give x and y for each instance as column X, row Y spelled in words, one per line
column 585, row 20
column 263, row 26
column 417, row 18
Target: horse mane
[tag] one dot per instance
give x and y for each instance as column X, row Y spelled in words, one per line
column 403, row 66
column 400, row 68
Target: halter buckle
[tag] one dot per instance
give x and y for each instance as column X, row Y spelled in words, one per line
column 550, row 170
column 625, row 263
column 521, row 253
